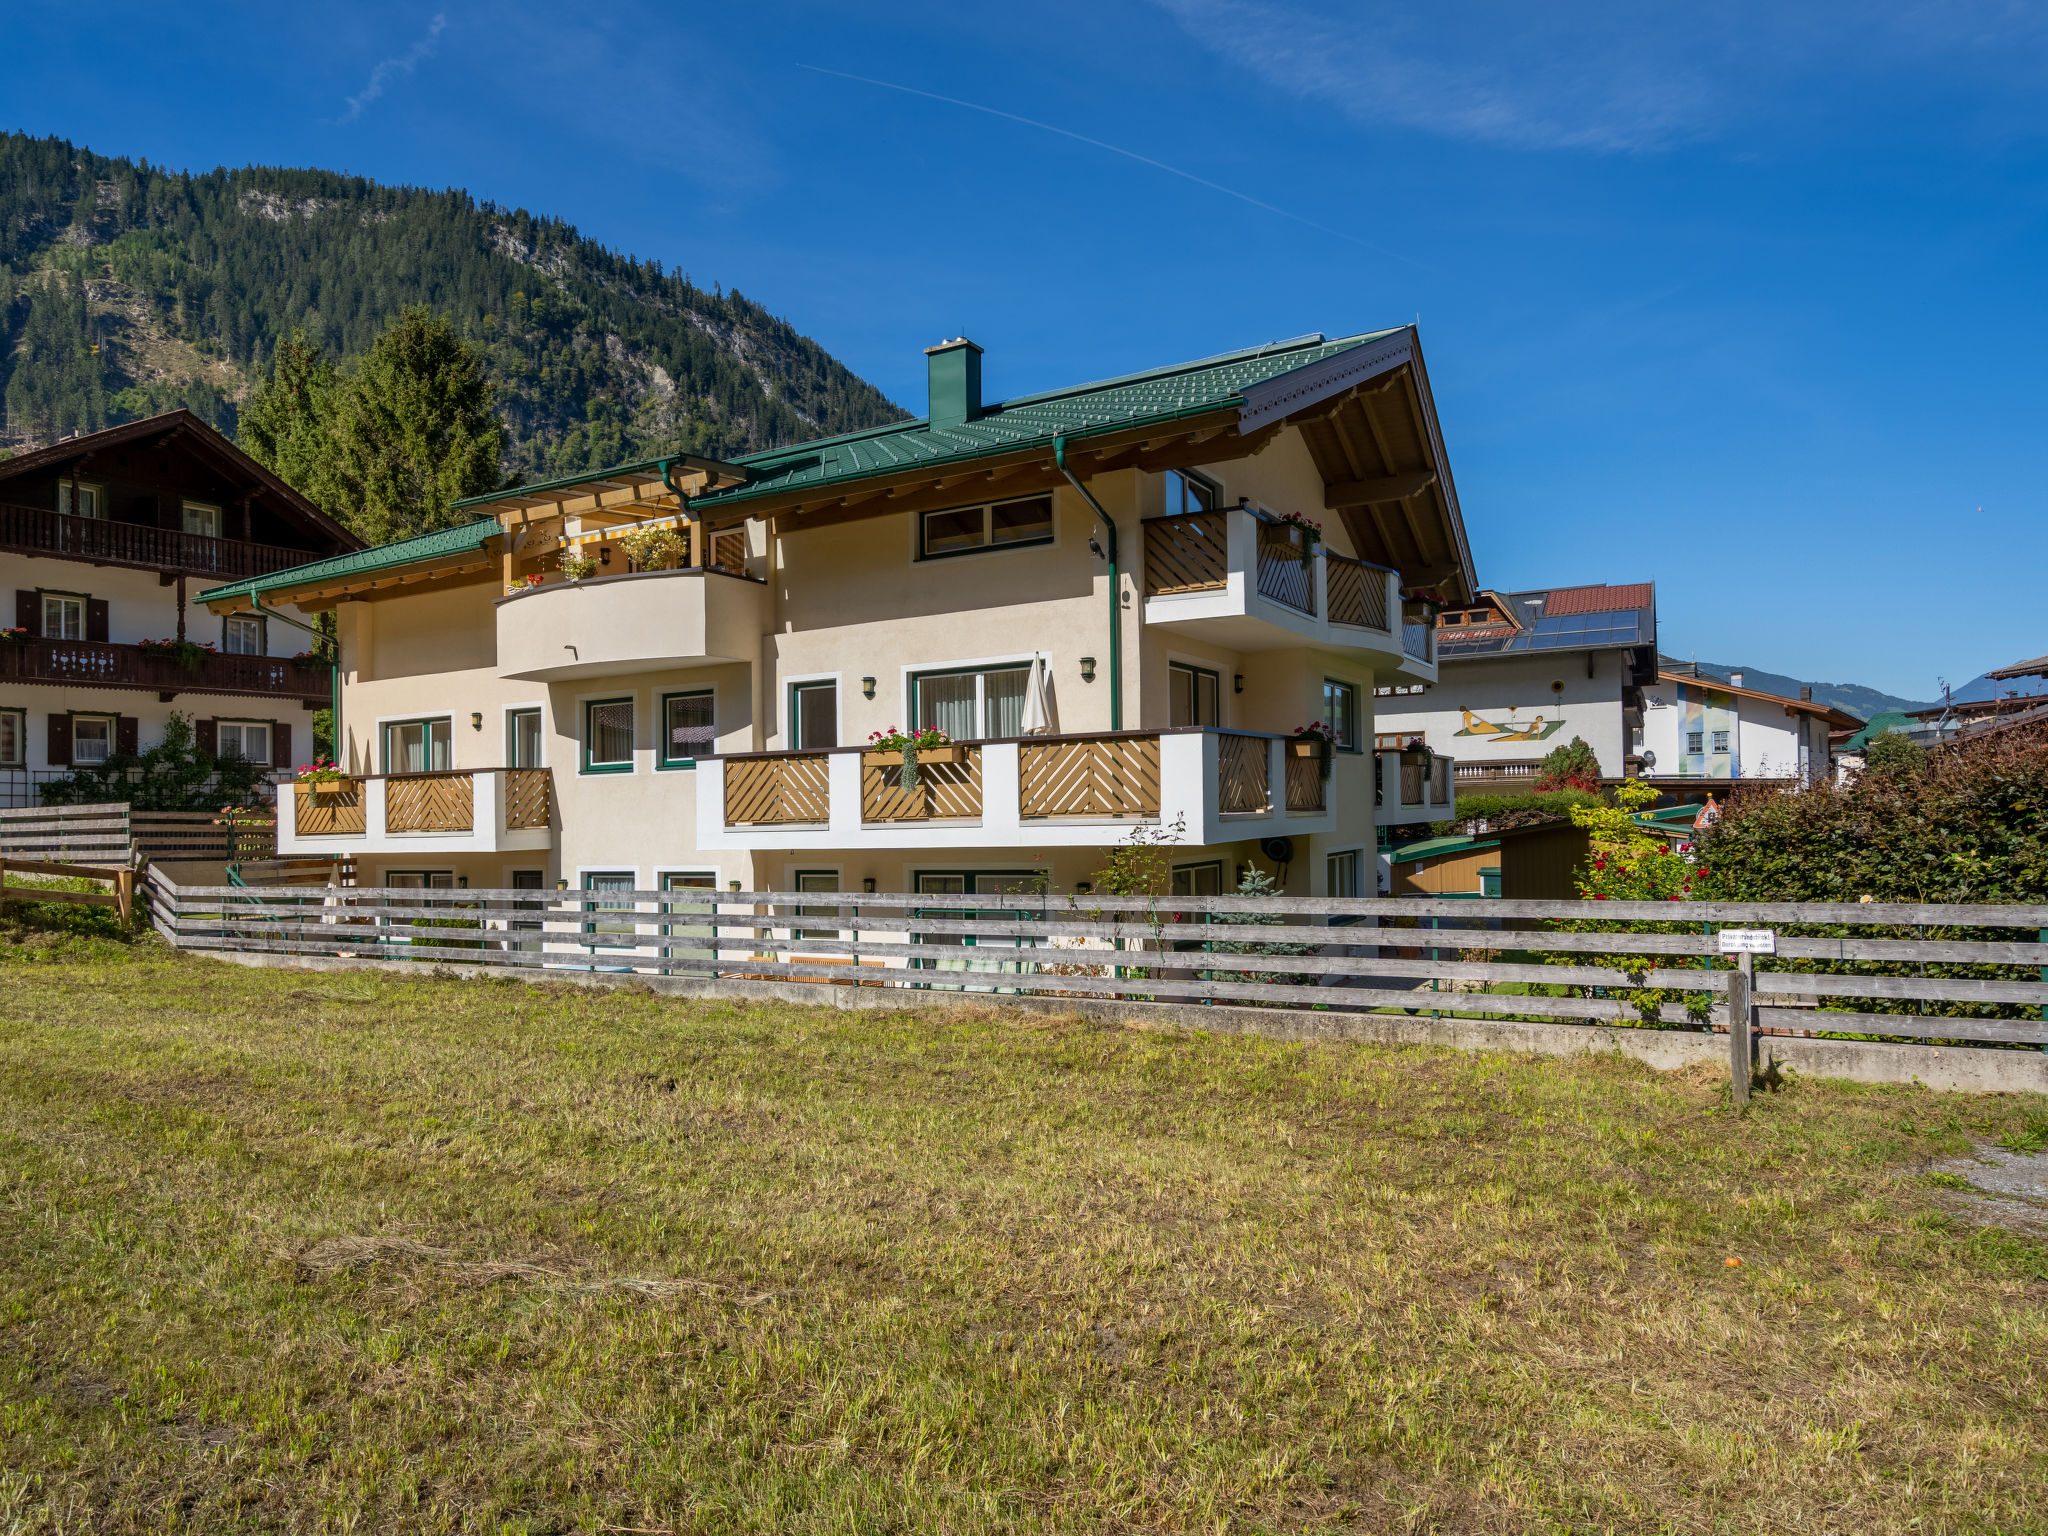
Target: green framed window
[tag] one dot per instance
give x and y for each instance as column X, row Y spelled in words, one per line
column 979, row 705
column 817, row 880
column 996, row 525
column 688, row 728
column 814, row 716
column 522, row 739
column 418, row 746
column 611, row 923
column 608, row 736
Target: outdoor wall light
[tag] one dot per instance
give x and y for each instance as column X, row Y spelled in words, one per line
column 1083, row 887
column 476, row 719
column 732, row 885
column 1087, row 669
column 561, row 885
column 604, row 554
column 1237, row 682
column 867, row 687
column 867, row 883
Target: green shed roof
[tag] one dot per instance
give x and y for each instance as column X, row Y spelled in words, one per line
column 426, row 546
column 1889, row 720
column 1437, row 847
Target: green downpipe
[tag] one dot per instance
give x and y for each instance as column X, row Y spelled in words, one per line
column 682, row 501
column 333, row 664
column 1116, row 612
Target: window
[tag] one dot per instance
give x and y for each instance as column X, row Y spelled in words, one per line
column 608, row 737
column 92, row 738
column 420, row 879
column 1186, row 493
column 1720, row 741
column 814, row 716
column 246, row 739
column 817, row 880
column 63, row 617
column 612, row 931
column 1198, row 879
column 1196, row 696
column 971, row 706
column 1695, row 742
column 522, row 739
column 527, row 925
column 81, row 500
column 242, row 634
column 417, row 746
column 686, row 728
column 1340, row 713
column 1347, row 873
column 202, row 519
column 1004, row 525
column 13, row 738
column 697, row 913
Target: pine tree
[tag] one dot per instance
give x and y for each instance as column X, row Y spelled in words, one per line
column 287, row 425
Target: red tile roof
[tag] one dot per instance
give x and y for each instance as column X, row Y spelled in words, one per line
column 1601, row 599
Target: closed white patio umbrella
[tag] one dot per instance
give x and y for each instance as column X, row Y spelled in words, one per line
column 1039, row 716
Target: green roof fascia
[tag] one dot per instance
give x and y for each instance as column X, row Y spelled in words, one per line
column 382, row 557
column 1437, row 847
column 1889, row 720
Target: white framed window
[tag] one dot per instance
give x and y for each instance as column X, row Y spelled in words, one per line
column 1695, row 742
column 607, row 738
column 814, row 715
column 1188, row 493
column 610, row 924
column 997, row 525
column 246, row 739
column 1195, row 695
column 817, row 880
column 1346, row 872
column 1204, row 879
column 81, row 500
column 977, row 704
column 1340, row 713
column 202, row 518
column 420, row 879
column 92, row 739
column 13, row 738
column 1720, row 741
column 689, row 729
column 522, row 738
column 63, row 616
column 242, row 634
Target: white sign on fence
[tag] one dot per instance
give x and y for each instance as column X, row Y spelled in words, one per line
column 1749, row 941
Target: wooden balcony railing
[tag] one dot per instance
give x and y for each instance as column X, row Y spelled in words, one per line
column 336, row 813
column 1287, row 570
column 39, row 531
column 774, row 791
column 946, row 791
column 1186, row 554
column 1244, row 775
column 729, row 552
column 429, row 802
column 1089, row 776
column 98, row 664
column 1305, row 784
column 529, row 797
column 1357, row 591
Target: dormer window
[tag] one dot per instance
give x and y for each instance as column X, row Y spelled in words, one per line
column 81, row 499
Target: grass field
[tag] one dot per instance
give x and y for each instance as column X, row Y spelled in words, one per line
column 357, row 1252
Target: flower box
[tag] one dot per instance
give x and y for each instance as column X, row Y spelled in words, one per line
column 329, row 789
column 930, row 757
column 1305, row 748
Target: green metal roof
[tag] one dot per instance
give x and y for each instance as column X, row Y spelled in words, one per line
column 1159, row 395
column 1889, row 720
column 1437, row 847
column 427, row 546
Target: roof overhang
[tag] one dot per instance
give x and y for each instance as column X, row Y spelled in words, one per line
column 626, row 493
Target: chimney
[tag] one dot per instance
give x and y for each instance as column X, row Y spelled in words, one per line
column 1806, row 693
column 955, row 382
column 1735, row 679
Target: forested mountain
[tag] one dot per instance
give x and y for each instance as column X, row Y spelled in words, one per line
column 127, row 289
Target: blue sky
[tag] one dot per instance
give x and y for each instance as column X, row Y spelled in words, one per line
column 1746, row 299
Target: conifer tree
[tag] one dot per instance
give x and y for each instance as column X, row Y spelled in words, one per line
column 287, row 425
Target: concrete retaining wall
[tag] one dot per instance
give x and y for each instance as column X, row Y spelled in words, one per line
column 1956, row 1069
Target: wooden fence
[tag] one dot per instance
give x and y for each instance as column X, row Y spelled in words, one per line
column 122, row 879
column 114, row 833
column 1828, row 972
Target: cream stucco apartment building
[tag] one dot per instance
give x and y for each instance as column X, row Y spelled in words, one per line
column 1104, row 593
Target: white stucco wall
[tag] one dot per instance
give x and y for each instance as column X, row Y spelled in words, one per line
column 1549, row 695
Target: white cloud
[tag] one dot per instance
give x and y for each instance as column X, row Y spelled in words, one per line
column 389, row 69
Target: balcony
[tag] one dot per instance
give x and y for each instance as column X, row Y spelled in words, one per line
column 482, row 810
column 644, row 622
column 1238, row 578
column 102, row 541
column 1038, row 792
column 1410, row 788
column 98, row 664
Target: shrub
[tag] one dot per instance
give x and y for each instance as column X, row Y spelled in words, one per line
column 654, row 549
column 1893, row 752
column 1572, row 766
column 173, row 775
column 1504, row 811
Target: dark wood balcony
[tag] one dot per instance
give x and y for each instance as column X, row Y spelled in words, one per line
column 101, row 541
column 97, row 664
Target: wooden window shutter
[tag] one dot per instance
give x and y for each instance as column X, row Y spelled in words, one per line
column 95, row 618
column 280, row 743
column 127, row 734
column 28, row 612
column 60, row 741
column 206, row 734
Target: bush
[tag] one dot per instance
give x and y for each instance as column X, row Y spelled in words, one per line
column 1893, row 752
column 1572, row 766
column 173, row 775
column 1504, row 811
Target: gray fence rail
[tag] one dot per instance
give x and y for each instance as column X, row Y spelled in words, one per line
column 116, row 833
column 1168, row 949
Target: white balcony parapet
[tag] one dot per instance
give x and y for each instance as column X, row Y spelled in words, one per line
column 1412, row 788
column 641, row 622
column 1037, row 792
column 482, row 810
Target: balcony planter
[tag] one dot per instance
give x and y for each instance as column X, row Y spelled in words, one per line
column 1305, row 748
column 930, row 757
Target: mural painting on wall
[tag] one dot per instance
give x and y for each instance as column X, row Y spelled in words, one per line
column 1511, row 729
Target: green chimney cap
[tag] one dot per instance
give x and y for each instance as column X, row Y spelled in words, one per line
column 955, row 382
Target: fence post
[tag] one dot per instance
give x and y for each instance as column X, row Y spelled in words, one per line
column 1738, row 1025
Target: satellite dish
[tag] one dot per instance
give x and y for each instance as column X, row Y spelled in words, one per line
column 1279, row 849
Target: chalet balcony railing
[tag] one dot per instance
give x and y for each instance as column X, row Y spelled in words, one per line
column 1287, row 566
column 529, row 798
column 99, row 664
column 948, row 786
column 38, row 531
column 474, row 803
column 429, row 802
column 777, row 790
column 1357, row 592
column 1243, row 775
column 333, row 809
column 1187, row 554
column 1418, row 639
column 1088, row 776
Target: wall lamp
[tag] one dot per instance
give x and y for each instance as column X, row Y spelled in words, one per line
column 867, row 884
column 1237, row 682
column 562, row 885
column 476, row 719
column 1087, row 669
column 867, row 687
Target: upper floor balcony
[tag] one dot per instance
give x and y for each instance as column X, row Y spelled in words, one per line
column 479, row 810
column 103, row 541
column 1412, row 787
column 1217, row 786
column 100, row 664
column 1241, row 579
column 641, row 622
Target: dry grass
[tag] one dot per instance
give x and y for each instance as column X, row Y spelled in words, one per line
column 356, row 1252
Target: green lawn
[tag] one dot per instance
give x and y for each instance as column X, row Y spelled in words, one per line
column 367, row 1253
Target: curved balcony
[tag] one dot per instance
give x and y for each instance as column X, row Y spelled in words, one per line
column 645, row 622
